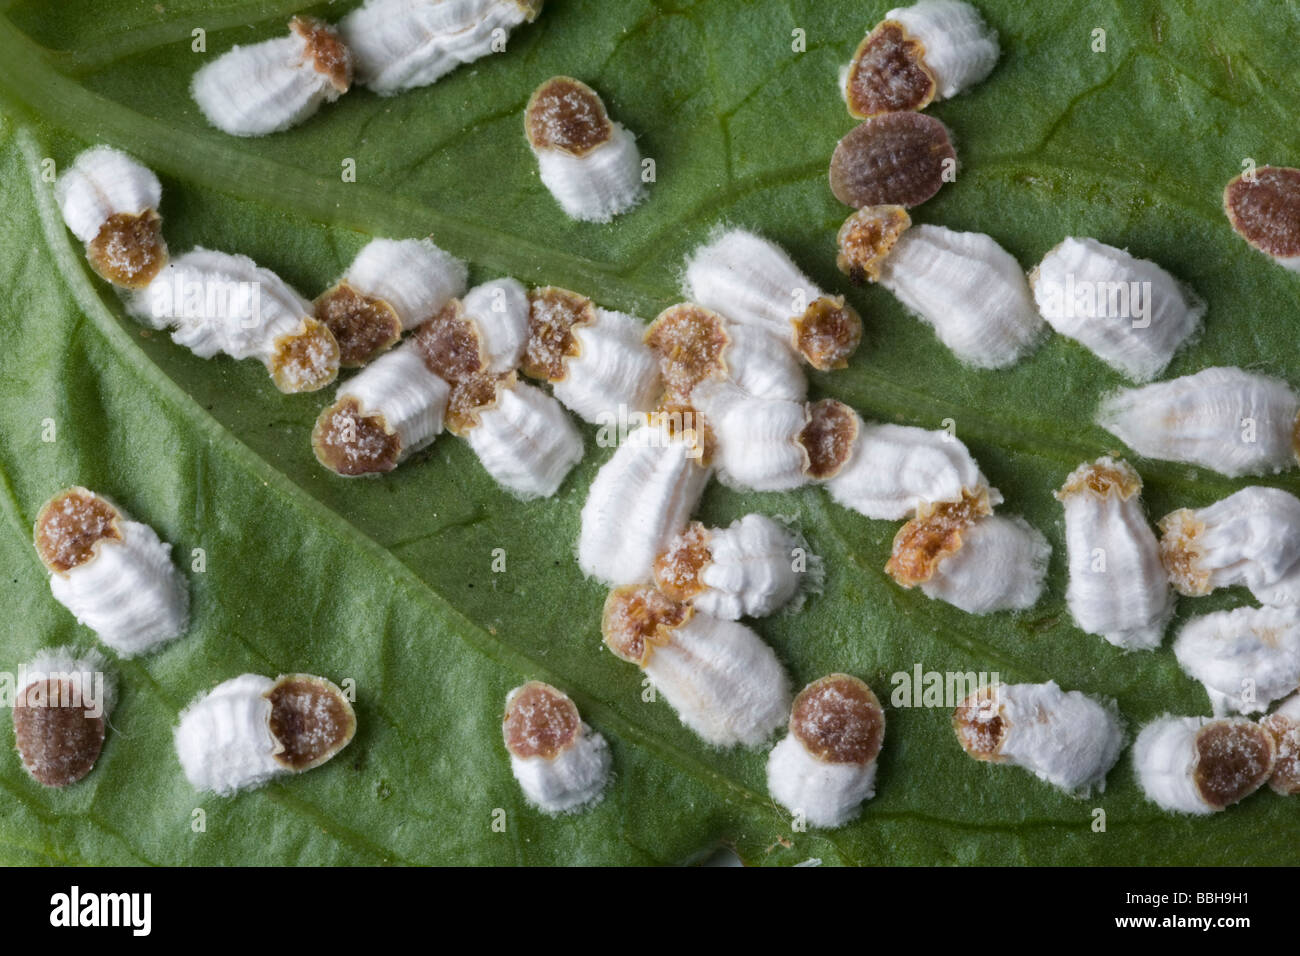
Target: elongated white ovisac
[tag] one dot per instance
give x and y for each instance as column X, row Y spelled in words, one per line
column 1246, row 658
column 525, row 441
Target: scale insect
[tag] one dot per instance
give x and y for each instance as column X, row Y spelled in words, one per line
column 112, row 573
column 561, row 764
column 825, row 767
column 1200, row 765
column 60, row 714
column 110, row 202
column 1246, row 658
column 250, row 729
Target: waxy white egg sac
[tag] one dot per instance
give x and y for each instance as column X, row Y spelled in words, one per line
column 1118, row 587
column 249, row 729
column 722, row 680
column 1201, row 765
column 1246, row 658
column 561, row 764
column 1224, row 419
column 1065, row 738
column 270, row 86
column 825, row 768
column 112, row 573
column 110, row 202
column 1129, row 312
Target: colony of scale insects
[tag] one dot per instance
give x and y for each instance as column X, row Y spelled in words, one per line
column 719, row 382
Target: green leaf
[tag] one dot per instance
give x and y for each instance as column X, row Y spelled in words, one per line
column 387, row 582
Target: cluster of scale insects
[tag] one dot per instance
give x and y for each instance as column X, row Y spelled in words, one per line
column 719, row 387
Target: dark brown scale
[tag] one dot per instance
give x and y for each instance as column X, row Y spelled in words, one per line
column 1266, row 212
column 979, row 726
column 472, row 396
column 828, row 437
column 57, row 739
column 128, row 250
column 1286, row 737
column 540, row 721
column 895, row 159
column 828, row 333
column 350, row 443
column 839, row 720
column 677, row 570
column 328, row 53
column 689, row 341
column 553, row 314
column 932, row 536
column 362, row 325
column 866, row 239
column 566, row 114
column 1233, row 759
column 888, row 73
column 637, row 618
column 311, row 719
column 70, row 524
column 449, row 345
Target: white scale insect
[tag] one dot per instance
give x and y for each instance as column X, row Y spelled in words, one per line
column 1246, row 658
column 1129, row 312
column 916, row 55
column 110, row 202
column 270, row 86
column 970, row 290
column 402, row 44
column 1251, row 538
column 722, row 680
column 595, row 360
column 112, row 573
column 61, row 709
column 1064, row 738
column 391, row 287
column 1118, row 587
column 590, row 164
column 1224, row 419
column 561, row 764
column 250, row 729
column 825, row 768
column 1201, row 765
column 641, row 499
column 751, row 568
column 754, row 283
column 218, row 303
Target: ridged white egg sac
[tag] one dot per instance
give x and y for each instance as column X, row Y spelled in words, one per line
column 590, row 164
column 1201, row 766
column 751, row 568
column 640, row 500
column 391, row 286
column 1224, row 419
column 1263, row 206
column 825, row 768
column 722, row 680
column 523, row 438
column 1284, row 725
column 1129, row 312
column 965, row 286
column 218, row 303
column 393, row 408
column 110, row 202
column 483, row 336
column 561, row 764
column 62, row 702
column 595, row 359
column 892, row 469
column 402, row 44
column 753, row 282
column 1064, row 738
column 1118, row 586
column 959, row 553
column 251, row 728
column 1246, row 658
column 773, row 444
column 112, row 573
column 696, row 345
column 916, row 55
column 270, row 86
column 1249, row 538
